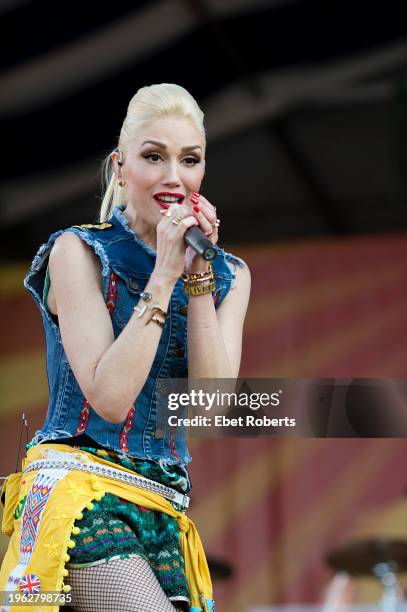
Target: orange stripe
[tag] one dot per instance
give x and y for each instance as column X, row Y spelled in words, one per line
column 266, row 581
column 319, row 358
column 246, row 486
column 299, row 301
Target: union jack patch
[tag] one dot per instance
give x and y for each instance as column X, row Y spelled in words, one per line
column 30, row 583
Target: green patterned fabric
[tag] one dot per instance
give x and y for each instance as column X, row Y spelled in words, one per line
column 118, row 528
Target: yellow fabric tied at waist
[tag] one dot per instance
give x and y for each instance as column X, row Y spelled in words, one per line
column 41, row 507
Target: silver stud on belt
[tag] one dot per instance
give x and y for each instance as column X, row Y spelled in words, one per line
column 114, row 474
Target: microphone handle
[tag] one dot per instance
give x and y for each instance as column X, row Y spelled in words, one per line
column 196, row 239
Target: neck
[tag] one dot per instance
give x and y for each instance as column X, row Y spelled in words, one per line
column 146, row 232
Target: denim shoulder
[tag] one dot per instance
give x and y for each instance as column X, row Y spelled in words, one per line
column 230, row 262
column 37, row 277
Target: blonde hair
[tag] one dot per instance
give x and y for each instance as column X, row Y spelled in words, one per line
column 149, row 103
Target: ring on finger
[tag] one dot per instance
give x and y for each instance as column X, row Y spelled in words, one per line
column 176, row 220
column 165, row 212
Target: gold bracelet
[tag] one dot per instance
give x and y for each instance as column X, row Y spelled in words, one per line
column 157, row 320
column 197, row 275
column 155, row 307
column 158, row 314
column 195, row 290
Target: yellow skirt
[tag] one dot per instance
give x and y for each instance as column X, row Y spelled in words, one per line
column 40, row 510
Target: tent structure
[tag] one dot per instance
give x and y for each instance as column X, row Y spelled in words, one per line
column 305, row 104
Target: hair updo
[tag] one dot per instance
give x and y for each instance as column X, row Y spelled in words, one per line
column 149, row 103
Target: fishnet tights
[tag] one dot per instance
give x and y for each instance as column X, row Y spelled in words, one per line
column 128, row 585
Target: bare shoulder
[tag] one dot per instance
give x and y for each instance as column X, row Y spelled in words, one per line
column 74, row 267
column 71, row 254
column 237, row 299
column 242, row 276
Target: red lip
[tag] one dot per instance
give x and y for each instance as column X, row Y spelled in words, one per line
column 181, row 196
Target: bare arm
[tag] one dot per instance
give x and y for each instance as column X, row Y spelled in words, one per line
column 215, row 337
column 110, row 372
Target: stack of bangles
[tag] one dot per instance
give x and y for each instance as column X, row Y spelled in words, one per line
column 199, row 283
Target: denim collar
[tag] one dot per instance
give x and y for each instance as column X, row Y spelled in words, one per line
column 122, row 219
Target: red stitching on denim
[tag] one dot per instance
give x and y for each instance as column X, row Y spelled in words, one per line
column 124, row 435
column 111, row 303
column 172, row 443
column 112, row 293
column 83, row 418
column 215, row 296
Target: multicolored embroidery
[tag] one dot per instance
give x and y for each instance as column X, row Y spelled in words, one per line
column 35, row 504
column 83, row 418
column 215, row 296
column 111, row 303
column 124, row 435
column 112, row 293
column 172, row 445
column 19, row 508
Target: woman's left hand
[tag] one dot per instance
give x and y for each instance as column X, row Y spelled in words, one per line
column 206, row 217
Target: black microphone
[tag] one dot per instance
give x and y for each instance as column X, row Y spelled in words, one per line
column 196, row 239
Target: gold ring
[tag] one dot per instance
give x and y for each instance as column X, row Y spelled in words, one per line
column 165, row 212
column 176, row 220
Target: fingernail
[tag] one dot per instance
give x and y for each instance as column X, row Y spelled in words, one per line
column 196, row 209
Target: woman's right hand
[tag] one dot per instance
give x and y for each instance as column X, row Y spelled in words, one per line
column 171, row 245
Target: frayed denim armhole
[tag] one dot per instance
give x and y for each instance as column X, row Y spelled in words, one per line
column 99, row 251
column 35, row 278
column 232, row 261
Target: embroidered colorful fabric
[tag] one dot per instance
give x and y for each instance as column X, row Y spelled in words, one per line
column 116, row 527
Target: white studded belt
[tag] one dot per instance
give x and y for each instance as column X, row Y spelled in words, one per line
column 114, row 474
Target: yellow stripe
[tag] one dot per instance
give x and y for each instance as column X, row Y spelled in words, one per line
column 272, row 309
column 11, row 279
column 331, row 349
column 287, row 557
column 247, row 486
column 23, row 382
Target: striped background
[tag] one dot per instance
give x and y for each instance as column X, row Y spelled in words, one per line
column 272, row 508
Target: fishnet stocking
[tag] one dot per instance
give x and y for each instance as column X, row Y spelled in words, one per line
column 128, row 585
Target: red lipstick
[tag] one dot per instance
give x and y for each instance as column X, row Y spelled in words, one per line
column 180, row 198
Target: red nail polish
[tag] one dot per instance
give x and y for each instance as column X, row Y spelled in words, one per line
column 196, row 209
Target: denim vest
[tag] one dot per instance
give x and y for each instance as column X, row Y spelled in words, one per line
column 127, row 263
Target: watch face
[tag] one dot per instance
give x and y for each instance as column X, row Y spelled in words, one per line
column 146, row 296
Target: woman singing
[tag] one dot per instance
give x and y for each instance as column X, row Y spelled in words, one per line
column 97, row 515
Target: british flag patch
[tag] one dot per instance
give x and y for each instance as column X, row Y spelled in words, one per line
column 30, row 583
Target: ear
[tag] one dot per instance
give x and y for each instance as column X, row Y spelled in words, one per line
column 116, row 156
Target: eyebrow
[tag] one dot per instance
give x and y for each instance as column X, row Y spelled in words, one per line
column 163, row 146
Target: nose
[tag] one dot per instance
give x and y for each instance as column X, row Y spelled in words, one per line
column 172, row 177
